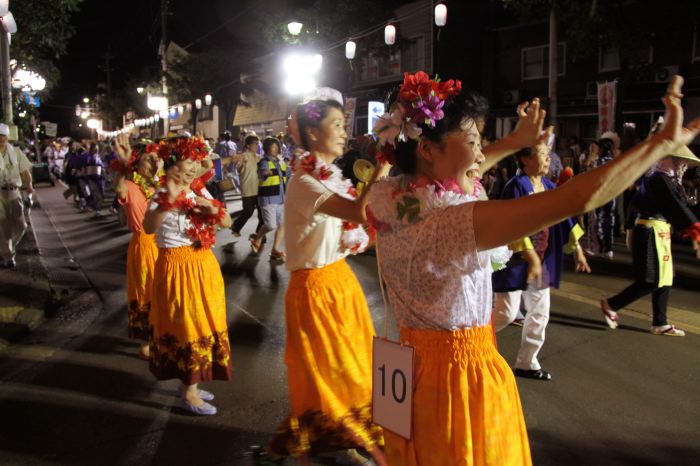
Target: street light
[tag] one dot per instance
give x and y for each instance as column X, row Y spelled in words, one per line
column 301, row 71
column 84, row 115
column 86, row 100
column 294, row 28
column 139, row 90
column 93, row 123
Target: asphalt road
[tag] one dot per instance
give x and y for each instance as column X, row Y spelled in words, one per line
column 74, row 393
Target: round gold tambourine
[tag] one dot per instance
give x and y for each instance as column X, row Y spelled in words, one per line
column 363, row 170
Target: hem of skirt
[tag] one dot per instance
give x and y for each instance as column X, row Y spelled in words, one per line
column 313, row 433
column 191, row 378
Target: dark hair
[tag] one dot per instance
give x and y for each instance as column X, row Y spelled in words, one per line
column 251, row 140
column 268, row 142
column 606, row 146
column 465, row 105
column 310, row 117
column 521, row 154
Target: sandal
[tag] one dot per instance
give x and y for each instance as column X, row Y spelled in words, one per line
column 538, row 374
column 256, row 246
column 611, row 317
column 668, row 330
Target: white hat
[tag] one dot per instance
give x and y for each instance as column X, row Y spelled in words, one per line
column 324, row 93
column 4, row 129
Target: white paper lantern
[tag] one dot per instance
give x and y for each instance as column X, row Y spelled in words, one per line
column 198, row 104
column 180, row 109
column 350, row 50
column 4, row 7
column 440, row 14
column 390, row 34
column 207, row 99
column 8, row 22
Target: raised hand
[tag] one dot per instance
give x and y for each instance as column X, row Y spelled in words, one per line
column 673, row 130
column 528, row 132
column 123, row 147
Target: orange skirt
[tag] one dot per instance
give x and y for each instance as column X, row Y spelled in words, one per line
column 329, row 364
column 188, row 317
column 140, row 264
column 466, row 407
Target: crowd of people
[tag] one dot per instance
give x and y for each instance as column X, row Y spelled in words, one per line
column 457, row 267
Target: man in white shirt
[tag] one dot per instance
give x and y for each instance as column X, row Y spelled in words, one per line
column 15, row 171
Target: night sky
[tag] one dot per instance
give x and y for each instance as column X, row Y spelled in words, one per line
column 130, row 30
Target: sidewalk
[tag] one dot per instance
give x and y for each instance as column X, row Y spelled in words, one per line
column 24, row 293
column 45, row 279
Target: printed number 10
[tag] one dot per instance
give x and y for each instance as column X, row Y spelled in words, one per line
column 396, row 374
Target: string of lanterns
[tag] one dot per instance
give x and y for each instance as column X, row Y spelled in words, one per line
column 440, row 18
column 171, row 112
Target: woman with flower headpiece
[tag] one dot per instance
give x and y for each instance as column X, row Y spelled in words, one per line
column 135, row 183
column 189, row 339
column 329, row 327
column 433, row 250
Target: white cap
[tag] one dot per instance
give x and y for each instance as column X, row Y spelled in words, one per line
column 4, row 129
column 324, row 93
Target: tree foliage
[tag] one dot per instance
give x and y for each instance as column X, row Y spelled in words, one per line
column 629, row 25
column 44, row 29
column 216, row 72
column 326, row 22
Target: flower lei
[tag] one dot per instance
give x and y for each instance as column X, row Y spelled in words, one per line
column 203, row 226
column 420, row 102
column 148, row 186
column 412, row 200
column 173, row 151
column 354, row 237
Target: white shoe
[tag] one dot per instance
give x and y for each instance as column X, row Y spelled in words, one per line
column 611, row 317
column 668, row 330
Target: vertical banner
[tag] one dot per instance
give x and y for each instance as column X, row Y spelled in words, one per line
column 350, row 104
column 374, row 111
column 607, row 99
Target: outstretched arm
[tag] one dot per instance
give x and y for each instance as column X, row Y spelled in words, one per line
column 500, row 222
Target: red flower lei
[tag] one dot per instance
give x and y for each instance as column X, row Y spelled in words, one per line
column 203, row 227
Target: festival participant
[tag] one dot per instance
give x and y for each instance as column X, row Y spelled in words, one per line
column 659, row 204
column 135, row 183
column 536, row 266
column 433, row 247
column 273, row 174
column 15, row 173
column 329, row 327
column 189, row 339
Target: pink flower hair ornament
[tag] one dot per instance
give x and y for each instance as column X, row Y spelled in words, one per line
column 420, row 102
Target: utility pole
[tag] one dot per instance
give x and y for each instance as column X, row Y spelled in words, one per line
column 163, row 57
column 108, row 73
column 553, row 68
column 5, row 77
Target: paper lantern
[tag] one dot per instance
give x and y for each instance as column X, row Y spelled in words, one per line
column 350, row 50
column 207, row 99
column 440, row 14
column 390, row 34
column 198, row 104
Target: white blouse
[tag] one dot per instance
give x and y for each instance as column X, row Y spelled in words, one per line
column 312, row 239
column 172, row 231
column 436, row 278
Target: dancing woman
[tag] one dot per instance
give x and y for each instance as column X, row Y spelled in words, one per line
column 660, row 204
column 188, row 313
column 135, row 183
column 433, row 252
column 329, row 327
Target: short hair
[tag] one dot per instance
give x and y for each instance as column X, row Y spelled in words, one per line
column 466, row 105
column 252, row 139
column 269, row 141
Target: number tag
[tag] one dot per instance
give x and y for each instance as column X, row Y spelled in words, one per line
column 392, row 386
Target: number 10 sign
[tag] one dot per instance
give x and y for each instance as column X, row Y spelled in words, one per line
column 392, row 386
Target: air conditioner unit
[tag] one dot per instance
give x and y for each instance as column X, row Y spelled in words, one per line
column 665, row 73
column 591, row 90
column 511, row 97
